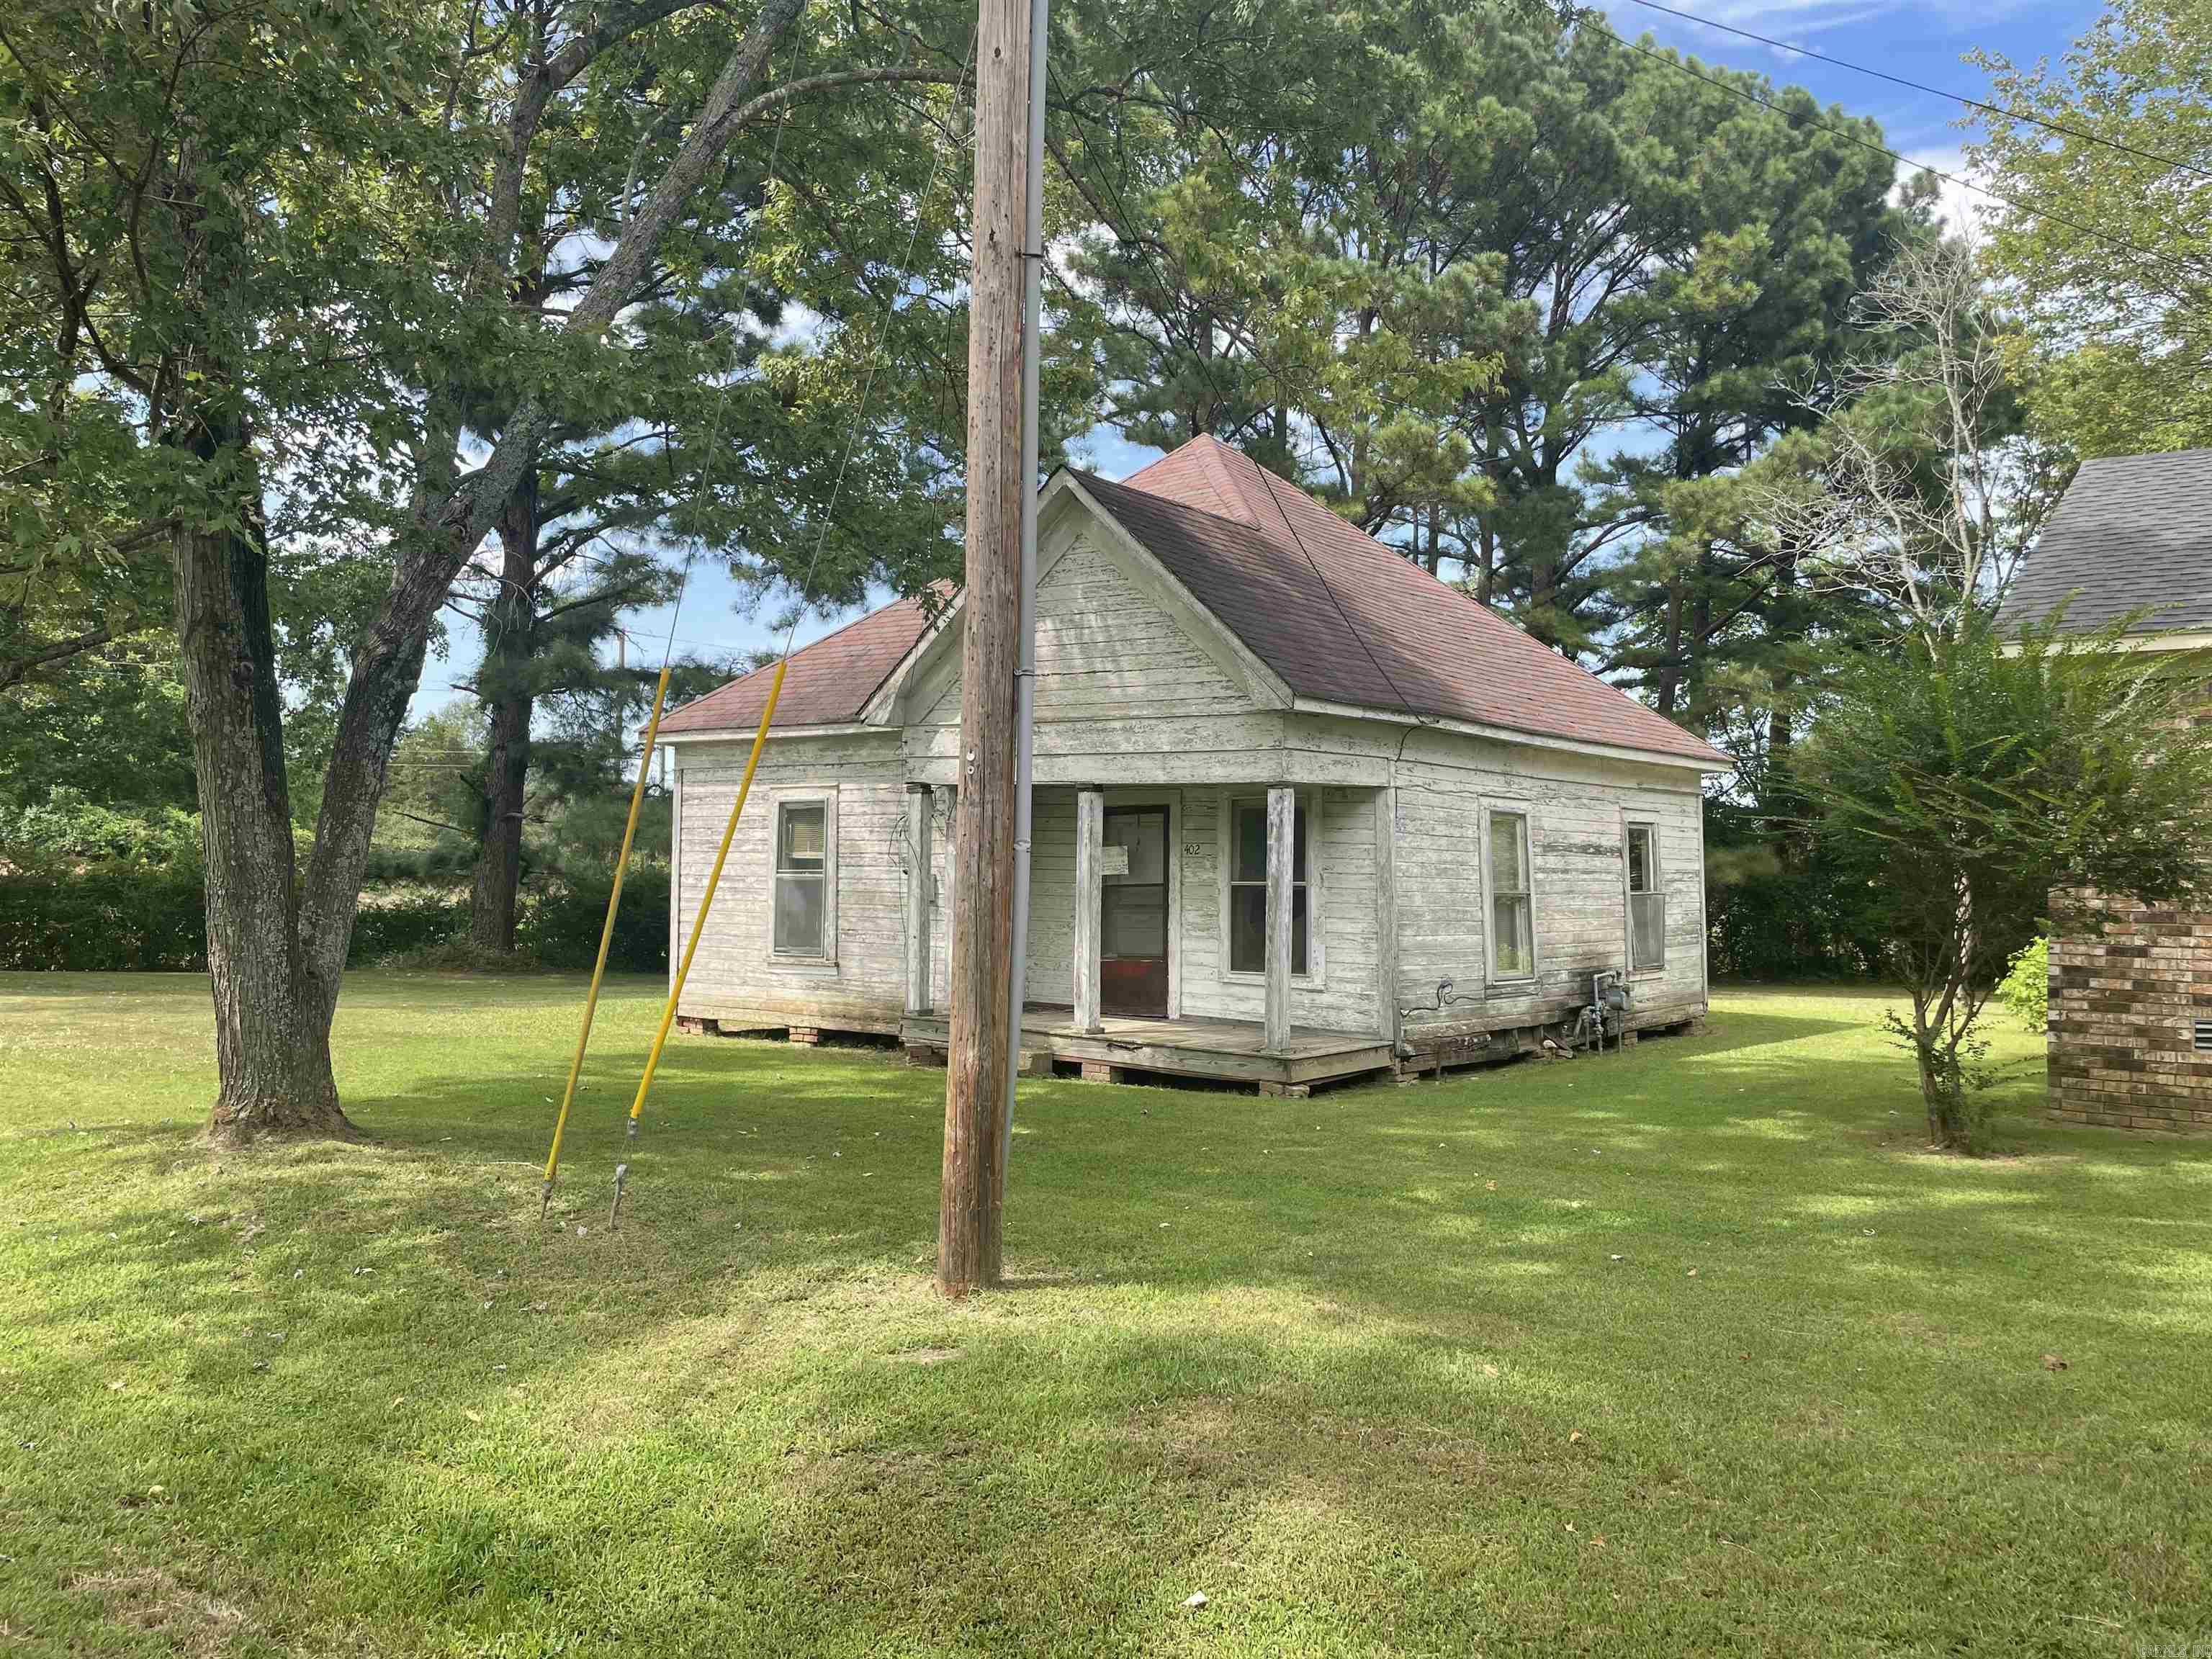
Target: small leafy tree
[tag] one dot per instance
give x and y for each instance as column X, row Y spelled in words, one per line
column 1967, row 781
column 2025, row 989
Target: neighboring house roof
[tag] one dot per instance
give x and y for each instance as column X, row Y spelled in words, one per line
column 827, row 684
column 1336, row 615
column 2131, row 530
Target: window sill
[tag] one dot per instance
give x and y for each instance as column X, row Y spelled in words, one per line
column 1298, row 981
column 807, row 967
column 1525, row 986
column 1660, row 972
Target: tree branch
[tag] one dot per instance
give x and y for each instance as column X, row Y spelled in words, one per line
column 13, row 671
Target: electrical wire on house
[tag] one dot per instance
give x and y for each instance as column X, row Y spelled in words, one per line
column 775, row 685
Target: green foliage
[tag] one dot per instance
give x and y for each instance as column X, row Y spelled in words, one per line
column 113, row 917
column 1777, row 908
column 2025, row 989
column 1961, row 780
column 2104, row 256
column 66, row 830
column 107, row 726
column 561, row 924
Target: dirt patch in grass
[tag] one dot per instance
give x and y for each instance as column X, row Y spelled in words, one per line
column 147, row 1599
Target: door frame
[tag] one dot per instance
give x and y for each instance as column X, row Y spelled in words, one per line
column 1169, row 800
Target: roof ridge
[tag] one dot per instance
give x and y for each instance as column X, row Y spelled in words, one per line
column 1174, row 501
column 1228, row 478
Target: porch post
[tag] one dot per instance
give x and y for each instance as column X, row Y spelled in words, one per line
column 921, row 877
column 1090, row 836
column 1282, row 831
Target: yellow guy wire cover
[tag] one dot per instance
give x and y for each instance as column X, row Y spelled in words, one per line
column 606, row 939
column 706, row 898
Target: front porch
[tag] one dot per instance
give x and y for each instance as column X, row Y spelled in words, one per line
column 1223, row 1050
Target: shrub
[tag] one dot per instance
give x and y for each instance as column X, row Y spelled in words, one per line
column 399, row 922
column 561, row 925
column 66, row 830
column 2025, row 989
column 118, row 917
column 106, row 917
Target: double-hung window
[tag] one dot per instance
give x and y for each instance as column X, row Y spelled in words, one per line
column 1512, row 906
column 1247, row 888
column 1647, row 903
column 802, row 878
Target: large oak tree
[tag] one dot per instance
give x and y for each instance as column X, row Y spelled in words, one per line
column 272, row 262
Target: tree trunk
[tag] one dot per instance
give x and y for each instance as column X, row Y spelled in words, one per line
column 272, row 1037
column 505, row 685
column 1667, row 680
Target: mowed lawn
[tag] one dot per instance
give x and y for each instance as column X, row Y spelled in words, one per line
column 1695, row 1349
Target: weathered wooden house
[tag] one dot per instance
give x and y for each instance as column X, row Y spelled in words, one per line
column 2130, row 1024
column 1223, row 665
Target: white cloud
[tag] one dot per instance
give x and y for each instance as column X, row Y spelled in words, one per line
column 1959, row 208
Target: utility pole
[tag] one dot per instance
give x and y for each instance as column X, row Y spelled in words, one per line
column 985, row 1018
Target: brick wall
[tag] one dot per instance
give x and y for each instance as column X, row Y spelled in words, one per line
column 2127, row 986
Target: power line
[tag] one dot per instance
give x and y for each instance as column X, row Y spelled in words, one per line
column 2008, row 113
column 1851, row 138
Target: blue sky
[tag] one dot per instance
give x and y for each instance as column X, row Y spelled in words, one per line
column 1924, row 41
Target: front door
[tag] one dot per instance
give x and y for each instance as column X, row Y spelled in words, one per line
column 1133, row 913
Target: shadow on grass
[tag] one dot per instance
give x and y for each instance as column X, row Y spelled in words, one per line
column 1240, row 1324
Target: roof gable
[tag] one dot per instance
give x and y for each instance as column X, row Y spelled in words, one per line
column 2131, row 530
column 829, row 683
column 1115, row 637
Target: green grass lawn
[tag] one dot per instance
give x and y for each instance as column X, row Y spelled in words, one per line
column 1693, row 1349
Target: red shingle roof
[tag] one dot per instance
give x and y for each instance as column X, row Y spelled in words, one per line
column 1380, row 632
column 829, row 682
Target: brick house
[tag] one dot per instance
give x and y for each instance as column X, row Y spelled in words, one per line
column 2131, row 1031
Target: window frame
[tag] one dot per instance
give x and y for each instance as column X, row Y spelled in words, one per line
column 1309, row 800
column 1491, row 808
column 1629, row 829
column 780, row 801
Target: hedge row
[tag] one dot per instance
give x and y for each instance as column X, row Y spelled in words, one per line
column 127, row 918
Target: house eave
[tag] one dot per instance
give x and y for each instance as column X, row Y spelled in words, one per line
column 2195, row 639
column 744, row 733
column 1715, row 767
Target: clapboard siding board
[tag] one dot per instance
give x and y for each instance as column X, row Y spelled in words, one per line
column 1577, row 809
column 1105, row 649
column 734, row 966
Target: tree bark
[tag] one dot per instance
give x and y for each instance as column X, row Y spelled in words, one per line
column 1667, row 679
column 272, row 1050
column 504, row 684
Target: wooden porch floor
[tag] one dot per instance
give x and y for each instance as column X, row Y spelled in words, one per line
column 1228, row 1049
